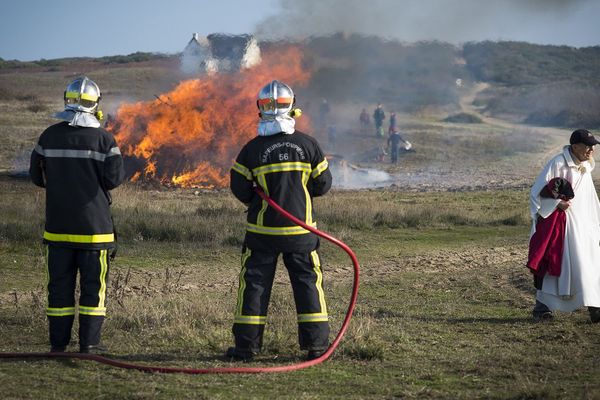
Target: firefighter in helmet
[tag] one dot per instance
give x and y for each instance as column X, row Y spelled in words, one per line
column 77, row 162
column 290, row 167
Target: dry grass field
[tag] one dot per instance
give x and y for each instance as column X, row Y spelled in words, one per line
column 444, row 303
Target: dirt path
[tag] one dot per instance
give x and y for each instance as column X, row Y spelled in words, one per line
column 553, row 134
column 481, row 170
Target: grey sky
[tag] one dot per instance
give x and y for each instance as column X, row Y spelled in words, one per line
column 35, row 29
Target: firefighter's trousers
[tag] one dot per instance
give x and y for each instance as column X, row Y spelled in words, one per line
column 63, row 264
column 256, row 281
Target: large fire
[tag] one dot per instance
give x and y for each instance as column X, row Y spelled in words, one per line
column 190, row 136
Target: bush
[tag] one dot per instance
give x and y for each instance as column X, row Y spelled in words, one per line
column 37, row 106
column 463, row 118
column 519, row 63
column 565, row 118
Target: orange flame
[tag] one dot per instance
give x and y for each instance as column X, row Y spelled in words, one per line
column 190, row 136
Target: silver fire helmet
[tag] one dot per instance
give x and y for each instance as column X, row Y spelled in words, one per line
column 275, row 99
column 82, row 95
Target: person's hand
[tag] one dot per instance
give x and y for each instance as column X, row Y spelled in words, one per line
column 563, row 205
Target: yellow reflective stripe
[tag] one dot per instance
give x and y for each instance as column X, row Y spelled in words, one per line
column 282, row 167
column 276, row 230
column 97, row 311
column 72, row 95
column 239, row 168
column 240, row 299
column 47, row 274
column 72, row 238
column 260, row 218
column 103, row 271
column 308, row 215
column 250, row 319
column 313, row 317
column 322, row 166
column 319, row 283
column 60, row 312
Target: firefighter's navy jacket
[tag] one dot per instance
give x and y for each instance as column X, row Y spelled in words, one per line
column 291, row 169
column 77, row 166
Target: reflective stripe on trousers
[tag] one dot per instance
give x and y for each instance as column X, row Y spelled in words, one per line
column 256, row 281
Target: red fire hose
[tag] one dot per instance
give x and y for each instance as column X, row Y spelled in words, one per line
column 230, row 370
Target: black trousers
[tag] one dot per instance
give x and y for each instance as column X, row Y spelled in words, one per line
column 63, row 264
column 256, row 281
column 394, row 154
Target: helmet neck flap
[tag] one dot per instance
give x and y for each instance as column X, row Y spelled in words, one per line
column 78, row 118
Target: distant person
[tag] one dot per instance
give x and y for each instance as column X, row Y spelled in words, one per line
column 394, row 142
column 379, row 117
column 393, row 128
column 324, row 111
column 290, row 167
column 78, row 163
column 332, row 136
column 365, row 120
column 564, row 254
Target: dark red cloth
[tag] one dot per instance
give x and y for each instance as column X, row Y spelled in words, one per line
column 546, row 244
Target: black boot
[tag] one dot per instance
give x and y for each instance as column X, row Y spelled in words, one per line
column 594, row 314
column 60, row 331
column 313, row 354
column 541, row 312
column 89, row 332
column 93, row 349
column 233, row 354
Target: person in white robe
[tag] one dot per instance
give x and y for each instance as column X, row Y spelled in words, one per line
column 579, row 282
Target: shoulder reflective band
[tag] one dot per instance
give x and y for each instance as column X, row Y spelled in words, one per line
column 282, row 167
column 65, row 237
column 69, row 153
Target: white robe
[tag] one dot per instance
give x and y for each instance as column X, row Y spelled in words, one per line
column 579, row 282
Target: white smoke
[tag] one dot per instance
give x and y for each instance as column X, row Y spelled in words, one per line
column 350, row 177
column 194, row 54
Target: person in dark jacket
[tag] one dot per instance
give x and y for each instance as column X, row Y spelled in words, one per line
column 393, row 143
column 289, row 167
column 365, row 120
column 393, row 127
column 77, row 162
column 379, row 117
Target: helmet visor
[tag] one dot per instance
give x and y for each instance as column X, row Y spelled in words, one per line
column 270, row 105
column 84, row 99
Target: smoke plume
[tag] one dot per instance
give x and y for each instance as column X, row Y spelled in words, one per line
column 454, row 21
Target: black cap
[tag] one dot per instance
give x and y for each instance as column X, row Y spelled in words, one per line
column 583, row 136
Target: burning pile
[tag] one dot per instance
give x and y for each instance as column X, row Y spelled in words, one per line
column 190, row 136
